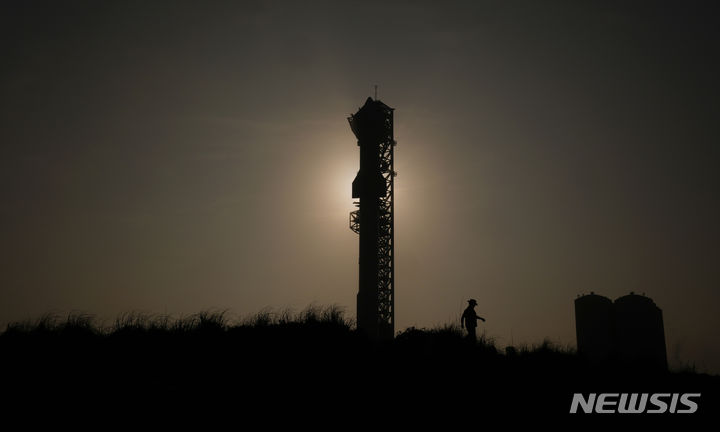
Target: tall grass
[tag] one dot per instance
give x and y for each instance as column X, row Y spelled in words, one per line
column 332, row 315
column 133, row 323
column 319, row 328
column 314, row 357
column 74, row 323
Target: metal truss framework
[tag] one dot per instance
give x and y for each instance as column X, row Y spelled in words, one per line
column 385, row 229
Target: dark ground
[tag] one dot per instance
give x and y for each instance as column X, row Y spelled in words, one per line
column 312, row 369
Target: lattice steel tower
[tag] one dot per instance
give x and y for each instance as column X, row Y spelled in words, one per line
column 373, row 220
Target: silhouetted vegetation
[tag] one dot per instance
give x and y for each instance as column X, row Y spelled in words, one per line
column 312, row 357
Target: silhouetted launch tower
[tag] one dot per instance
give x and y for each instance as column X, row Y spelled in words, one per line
column 373, row 220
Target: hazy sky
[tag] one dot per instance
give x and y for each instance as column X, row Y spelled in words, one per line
column 176, row 156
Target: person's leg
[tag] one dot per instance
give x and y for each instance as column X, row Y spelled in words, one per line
column 471, row 334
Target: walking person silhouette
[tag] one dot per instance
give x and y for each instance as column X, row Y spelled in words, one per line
column 469, row 320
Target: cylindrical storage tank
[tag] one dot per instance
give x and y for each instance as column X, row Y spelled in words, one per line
column 640, row 340
column 594, row 326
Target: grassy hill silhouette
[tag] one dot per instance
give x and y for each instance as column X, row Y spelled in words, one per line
column 308, row 361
